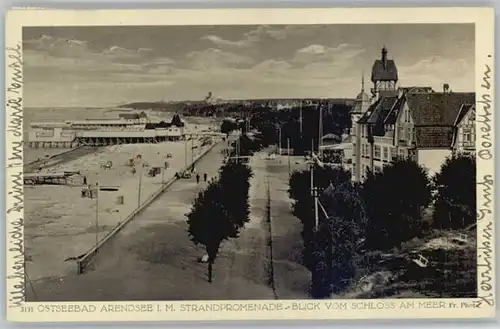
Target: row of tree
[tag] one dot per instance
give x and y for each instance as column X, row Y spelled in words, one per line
column 298, row 125
column 221, row 210
column 384, row 211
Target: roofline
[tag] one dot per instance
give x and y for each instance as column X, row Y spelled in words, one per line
column 433, row 126
column 461, row 119
column 392, row 109
column 433, row 148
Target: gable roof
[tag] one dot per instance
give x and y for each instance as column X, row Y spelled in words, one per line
column 382, row 109
column 463, row 112
column 437, row 108
column 368, row 113
column 387, row 72
column 417, row 89
column 466, row 108
column 392, row 116
column 434, row 115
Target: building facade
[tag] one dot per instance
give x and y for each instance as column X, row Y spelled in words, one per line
column 414, row 122
column 464, row 134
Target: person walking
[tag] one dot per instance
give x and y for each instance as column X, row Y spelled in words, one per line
column 197, row 178
column 205, row 176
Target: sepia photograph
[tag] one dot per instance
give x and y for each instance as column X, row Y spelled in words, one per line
column 222, row 163
column 250, row 162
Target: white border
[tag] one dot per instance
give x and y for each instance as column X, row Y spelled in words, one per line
column 483, row 18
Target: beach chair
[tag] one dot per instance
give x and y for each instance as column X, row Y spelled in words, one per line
column 421, row 261
column 461, row 238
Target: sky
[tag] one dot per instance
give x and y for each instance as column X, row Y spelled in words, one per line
column 109, row 66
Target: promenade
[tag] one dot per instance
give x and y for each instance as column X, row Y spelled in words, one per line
column 152, row 258
column 61, row 225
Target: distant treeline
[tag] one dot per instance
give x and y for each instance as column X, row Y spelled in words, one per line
column 237, row 108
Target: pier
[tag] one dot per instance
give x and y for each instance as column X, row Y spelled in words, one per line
column 60, row 178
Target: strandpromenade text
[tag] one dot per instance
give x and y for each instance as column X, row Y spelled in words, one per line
column 307, row 306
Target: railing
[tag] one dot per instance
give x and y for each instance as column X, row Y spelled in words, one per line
column 87, row 257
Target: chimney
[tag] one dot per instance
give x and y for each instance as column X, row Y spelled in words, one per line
column 446, row 88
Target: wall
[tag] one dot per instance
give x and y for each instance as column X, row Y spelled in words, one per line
column 51, row 135
column 119, row 134
column 432, row 159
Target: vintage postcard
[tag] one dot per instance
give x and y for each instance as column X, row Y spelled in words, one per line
column 249, row 164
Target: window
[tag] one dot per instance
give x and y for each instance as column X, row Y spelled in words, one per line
column 376, row 152
column 386, row 153
column 393, row 153
column 467, row 135
column 402, row 152
column 401, row 132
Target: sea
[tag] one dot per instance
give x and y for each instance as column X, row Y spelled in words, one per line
column 61, row 114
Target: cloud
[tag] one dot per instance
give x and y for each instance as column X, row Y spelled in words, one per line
column 67, row 72
column 435, row 71
column 272, row 65
column 343, row 54
column 282, row 32
column 57, row 47
column 223, row 42
column 213, row 58
column 260, row 34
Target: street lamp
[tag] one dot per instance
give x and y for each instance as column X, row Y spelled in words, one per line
column 96, row 214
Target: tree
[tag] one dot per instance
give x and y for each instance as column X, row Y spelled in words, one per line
column 303, row 206
column 235, row 183
column 455, row 200
column 336, row 241
column 176, row 121
column 228, row 126
column 395, row 199
column 209, row 223
column 248, row 145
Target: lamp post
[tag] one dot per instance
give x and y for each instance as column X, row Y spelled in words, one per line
column 96, row 215
column 139, row 187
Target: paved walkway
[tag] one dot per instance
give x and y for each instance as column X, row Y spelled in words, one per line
column 153, row 258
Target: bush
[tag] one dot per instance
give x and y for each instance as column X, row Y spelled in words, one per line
column 395, row 199
column 455, row 200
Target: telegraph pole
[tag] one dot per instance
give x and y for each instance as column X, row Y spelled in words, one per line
column 140, row 186
column 96, row 215
column 314, row 191
column 320, row 131
column 300, row 120
column 288, row 151
column 192, row 149
column 279, row 139
column 185, row 152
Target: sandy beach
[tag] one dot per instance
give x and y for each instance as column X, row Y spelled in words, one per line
column 61, row 224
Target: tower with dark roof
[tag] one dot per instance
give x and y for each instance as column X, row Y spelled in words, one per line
column 361, row 105
column 384, row 75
